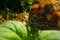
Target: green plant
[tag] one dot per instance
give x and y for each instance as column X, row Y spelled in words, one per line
column 26, row 4
column 49, row 35
column 6, row 34
column 16, row 27
column 15, row 30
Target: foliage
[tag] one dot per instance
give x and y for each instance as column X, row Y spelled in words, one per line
column 15, row 5
column 4, row 13
column 26, row 4
column 50, row 35
column 15, row 30
column 17, row 27
column 6, row 34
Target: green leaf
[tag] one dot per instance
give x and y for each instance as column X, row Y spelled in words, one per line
column 16, row 27
column 6, row 34
column 50, row 35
